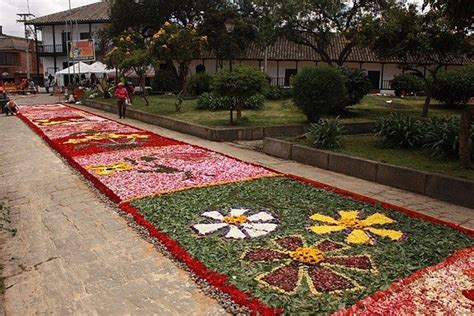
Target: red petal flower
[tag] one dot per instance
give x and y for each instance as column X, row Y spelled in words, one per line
column 260, row 254
column 284, row 278
column 327, row 246
column 326, row 280
column 290, row 243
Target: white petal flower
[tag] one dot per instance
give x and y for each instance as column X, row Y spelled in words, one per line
column 238, row 211
column 235, row 233
column 214, row 215
column 205, row 229
column 259, row 229
column 260, row 217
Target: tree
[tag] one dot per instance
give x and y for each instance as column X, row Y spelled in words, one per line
column 459, row 14
column 131, row 52
column 418, row 40
column 240, row 84
column 224, row 44
column 180, row 43
column 316, row 23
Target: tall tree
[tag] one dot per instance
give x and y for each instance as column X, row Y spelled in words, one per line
column 315, row 23
column 418, row 39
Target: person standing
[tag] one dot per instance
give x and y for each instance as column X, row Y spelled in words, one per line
column 122, row 95
column 49, row 83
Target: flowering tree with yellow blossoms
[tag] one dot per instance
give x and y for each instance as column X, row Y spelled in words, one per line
column 180, row 43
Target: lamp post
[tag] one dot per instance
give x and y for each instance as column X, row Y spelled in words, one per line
column 230, row 27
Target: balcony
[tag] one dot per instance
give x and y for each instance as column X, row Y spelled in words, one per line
column 48, row 50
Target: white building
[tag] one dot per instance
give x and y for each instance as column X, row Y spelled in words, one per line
column 285, row 58
column 59, row 28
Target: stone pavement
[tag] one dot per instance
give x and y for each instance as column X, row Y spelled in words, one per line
column 73, row 254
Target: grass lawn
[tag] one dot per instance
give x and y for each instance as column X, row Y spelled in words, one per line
column 367, row 146
column 282, row 112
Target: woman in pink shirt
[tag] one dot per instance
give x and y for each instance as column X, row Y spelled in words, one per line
column 122, row 95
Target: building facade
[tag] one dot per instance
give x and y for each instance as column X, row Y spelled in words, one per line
column 18, row 58
column 283, row 58
column 60, row 28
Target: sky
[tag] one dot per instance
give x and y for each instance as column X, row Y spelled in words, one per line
column 9, row 9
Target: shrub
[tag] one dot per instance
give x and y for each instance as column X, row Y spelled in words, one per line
column 209, row 101
column 454, row 86
column 442, row 137
column 408, row 84
column 399, row 130
column 326, row 134
column 357, row 84
column 278, row 93
column 318, row 91
column 198, row 84
column 165, row 81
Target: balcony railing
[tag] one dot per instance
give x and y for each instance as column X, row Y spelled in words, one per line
column 50, row 48
column 278, row 81
column 387, row 84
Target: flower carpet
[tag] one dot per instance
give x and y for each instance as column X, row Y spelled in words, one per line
column 270, row 243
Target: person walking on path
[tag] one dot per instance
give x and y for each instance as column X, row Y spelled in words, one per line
column 122, row 96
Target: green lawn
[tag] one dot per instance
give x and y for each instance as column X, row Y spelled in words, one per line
column 282, row 112
column 368, row 147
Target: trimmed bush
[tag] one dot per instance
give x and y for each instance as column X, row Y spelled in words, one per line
column 209, row 101
column 399, row 130
column 326, row 134
column 408, row 84
column 318, row 91
column 278, row 93
column 198, row 84
column 357, row 84
column 240, row 83
column 454, row 86
column 165, row 81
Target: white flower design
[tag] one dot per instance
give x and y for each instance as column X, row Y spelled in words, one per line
column 238, row 224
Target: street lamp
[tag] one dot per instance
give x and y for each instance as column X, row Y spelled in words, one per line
column 230, row 27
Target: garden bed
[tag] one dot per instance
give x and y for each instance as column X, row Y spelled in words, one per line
column 267, row 242
column 366, row 166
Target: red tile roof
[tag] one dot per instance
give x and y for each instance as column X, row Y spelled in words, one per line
column 95, row 12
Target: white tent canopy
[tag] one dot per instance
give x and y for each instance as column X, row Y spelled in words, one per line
column 77, row 68
column 100, row 68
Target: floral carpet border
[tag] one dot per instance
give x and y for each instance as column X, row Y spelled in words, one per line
column 220, row 281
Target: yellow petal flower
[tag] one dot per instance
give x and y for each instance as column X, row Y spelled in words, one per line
column 358, row 236
column 324, row 229
column 323, row 218
column 347, row 215
column 392, row 234
column 377, row 219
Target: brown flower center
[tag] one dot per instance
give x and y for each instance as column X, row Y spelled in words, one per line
column 236, row 220
column 307, row 255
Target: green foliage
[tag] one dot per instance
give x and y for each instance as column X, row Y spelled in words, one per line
column 165, row 81
column 318, row 91
column 357, row 84
column 442, row 137
column 198, row 84
column 454, row 86
column 399, row 130
column 278, row 93
column 326, row 134
column 408, row 83
column 240, row 83
column 210, row 101
column 293, row 202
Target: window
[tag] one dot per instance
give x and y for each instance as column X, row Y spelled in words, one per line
column 8, row 59
column 85, row 35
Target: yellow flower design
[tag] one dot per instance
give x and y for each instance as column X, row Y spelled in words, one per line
column 102, row 136
column 360, row 229
column 106, row 170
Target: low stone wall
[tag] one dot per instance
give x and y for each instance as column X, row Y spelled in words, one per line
column 215, row 134
column 445, row 188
